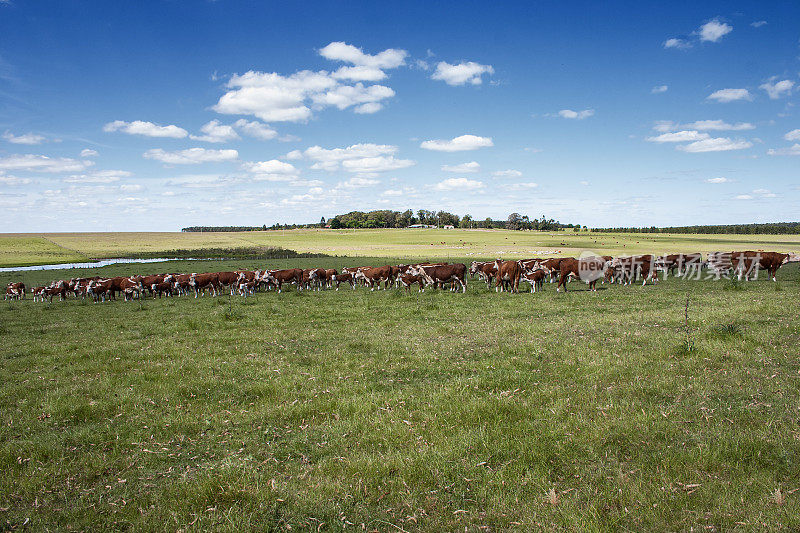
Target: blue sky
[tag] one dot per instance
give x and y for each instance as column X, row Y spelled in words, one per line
column 159, row 115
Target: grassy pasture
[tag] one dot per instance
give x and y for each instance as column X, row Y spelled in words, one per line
column 418, row 412
column 17, row 249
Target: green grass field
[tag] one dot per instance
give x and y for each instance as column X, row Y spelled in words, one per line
column 22, row 249
column 392, row 412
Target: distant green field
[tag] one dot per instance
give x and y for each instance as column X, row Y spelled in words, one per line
column 20, row 249
column 386, row 411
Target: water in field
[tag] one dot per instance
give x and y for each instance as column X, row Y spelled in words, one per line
column 97, row 264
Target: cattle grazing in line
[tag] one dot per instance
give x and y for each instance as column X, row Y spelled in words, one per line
column 289, row 275
column 98, row 289
column 161, row 289
column 507, row 277
column 535, row 278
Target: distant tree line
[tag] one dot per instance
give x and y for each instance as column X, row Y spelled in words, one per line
column 773, row 228
column 386, row 218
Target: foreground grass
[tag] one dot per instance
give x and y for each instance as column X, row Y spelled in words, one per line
column 427, row 243
column 431, row 411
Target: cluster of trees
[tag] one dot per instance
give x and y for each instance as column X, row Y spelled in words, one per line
column 386, row 218
column 404, row 219
column 773, row 228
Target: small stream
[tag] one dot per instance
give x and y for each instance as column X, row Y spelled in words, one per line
column 101, row 263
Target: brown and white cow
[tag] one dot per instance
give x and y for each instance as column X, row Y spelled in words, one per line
column 317, row 279
column 507, row 277
column 535, row 278
column 289, row 275
column 748, row 263
column 201, row 282
column 377, row 275
column 553, row 267
column 15, row 290
column 485, row 270
column 181, row 283
column 683, row 263
column 407, row 280
column 438, row 275
column 329, row 274
column 38, row 293
column 590, row 269
column 227, row 279
column 343, row 277
column 97, row 289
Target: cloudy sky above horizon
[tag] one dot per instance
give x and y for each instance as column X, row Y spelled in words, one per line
column 160, row 115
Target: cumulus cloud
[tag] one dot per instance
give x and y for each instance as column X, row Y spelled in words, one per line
column 88, row 152
column 679, row 137
column 331, row 159
column 462, row 73
column 147, row 129
column 715, row 144
column 273, row 170
column 758, row 23
column 191, row 156
column 792, row 150
column 717, row 180
column 42, row 163
column 776, row 89
column 677, row 43
column 13, row 181
column 372, row 165
column 659, row 89
column 510, row 173
column 458, row 184
column 255, row 129
column 471, row 167
column 730, row 95
column 523, row 186
column 714, row 31
column 340, row 51
column 345, row 96
column 577, row 115
column 457, row 144
column 793, row 135
column 719, row 125
column 216, row 133
column 744, row 197
column 25, row 138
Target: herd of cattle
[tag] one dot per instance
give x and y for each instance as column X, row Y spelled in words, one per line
column 505, row 275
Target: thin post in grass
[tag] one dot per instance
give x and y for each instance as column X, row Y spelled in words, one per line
column 688, row 344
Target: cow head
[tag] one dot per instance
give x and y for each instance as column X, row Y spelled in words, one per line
column 791, row 257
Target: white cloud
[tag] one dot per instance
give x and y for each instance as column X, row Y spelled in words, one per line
column 792, row 150
column 331, row 159
column 460, row 184
column 13, row 181
column 578, row 115
column 273, row 166
column 471, row 167
column 679, row 137
column 458, row 144
column 758, row 23
column 392, row 192
column 719, row 125
column 42, row 163
column 777, row 89
column 716, row 144
column 359, row 73
column 256, row 129
column 148, row 129
column 524, row 186
column 25, row 138
column 88, row 152
column 510, row 173
column 717, row 180
column 216, row 133
column 368, row 108
column 358, row 182
column 371, row 165
column 744, row 197
column 659, row 89
column 191, row 156
column 340, row 51
column 99, row 176
column 344, row 96
column 793, row 135
column 464, row 72
column 677, row 43
column 131, row 187
column 714, row 31
column 730, row 95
